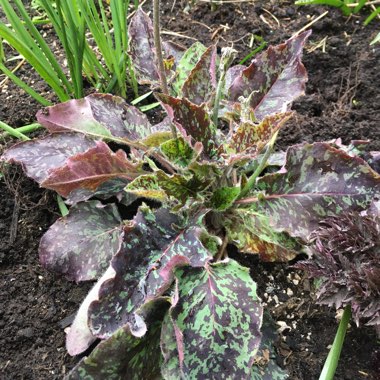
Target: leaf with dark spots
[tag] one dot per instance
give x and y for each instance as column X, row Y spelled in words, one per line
column 146, row 186
column 124, row 356
column 224, row 197
column 112, row 188
column 178, row 151
column 251, row 138
column 39, row 157
column 98, row 115
column 212, row 330
column 174, row 50
column 317, row 181
column 274, row 79
column 188, row 61
column 251, row 232
column 91, row 169
column 190, row 119
column 141, row 48
column 201, row 82
column 151, row 249
column 81, row 244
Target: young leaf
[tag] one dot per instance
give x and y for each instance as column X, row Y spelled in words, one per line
column 142, row 50
column 81, row 244
column 317, row 181
column 178, row 151
column 91, row 169
column 252, row 233
column 123, row 356
column 213, row 328
column 201, row 81
column 98, row 115
column 188, row 61
column 39, row 157
column 275, row 78
column 191, row 120
column 151, row 248
column 252, row 138
column 224, row 197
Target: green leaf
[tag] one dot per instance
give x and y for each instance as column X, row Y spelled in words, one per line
column 251, row 232
column 212, row 330
column 188, row 61
column 151, row 249
column 317, row 181
column 178, row 151
column 224, row 197
column 81, row 244
column 146, row 186
column 124, row 356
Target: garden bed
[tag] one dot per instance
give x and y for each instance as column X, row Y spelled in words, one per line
column 342, row 100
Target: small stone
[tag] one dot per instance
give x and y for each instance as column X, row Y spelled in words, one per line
column 289, row 292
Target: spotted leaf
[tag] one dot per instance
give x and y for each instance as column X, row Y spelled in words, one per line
column 151, row 248
column 178, row 151
column 201, row 82
column 91, row 169
column 191, row 120
column 212, row 330
column 252, row 233
column 98, row 115
column 142, row 50
column 274, row 78
column 39, row 157
column 81, row 244
column 224, row 197
column 187, row 63
column 317, row 181
column 124, row 356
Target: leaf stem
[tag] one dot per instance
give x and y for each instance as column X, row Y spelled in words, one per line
column 252, row 179
column 13, row 132
column 157, row 45
column 332, row 360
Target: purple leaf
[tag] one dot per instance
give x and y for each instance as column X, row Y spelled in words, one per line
column 317, row 181
column 125, row 356
column 98, row 115
column 275, row 78
column 201, row 81
column 142, row 50
column 39, row 157
column 91, row 169
column 190, row 119
column 213, row 327
column 81, row 244
column 152, row 247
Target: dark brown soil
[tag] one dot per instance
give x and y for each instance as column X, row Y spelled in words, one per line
column 342, row 100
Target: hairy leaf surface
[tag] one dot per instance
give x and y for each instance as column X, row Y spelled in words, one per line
column 275, row 78
column 91, row 169
column 213, row 328
column 39, row 157
column 151, row 248
column 81, row 244
column 317, row 181
column 98, row 115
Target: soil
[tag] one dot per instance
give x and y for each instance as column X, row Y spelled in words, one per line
column 341, row 100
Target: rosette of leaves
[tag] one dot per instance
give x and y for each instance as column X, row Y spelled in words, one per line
column 168, row 302
column 346, row 262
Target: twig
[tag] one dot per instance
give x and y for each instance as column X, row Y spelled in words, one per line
column 310, row 23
